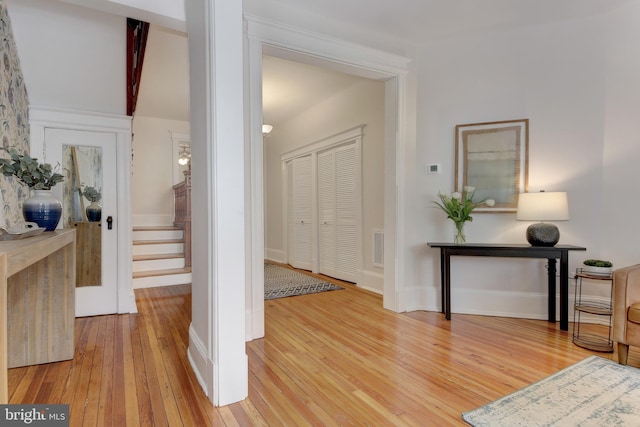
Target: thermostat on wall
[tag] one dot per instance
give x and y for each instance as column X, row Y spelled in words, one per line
column 433, row 168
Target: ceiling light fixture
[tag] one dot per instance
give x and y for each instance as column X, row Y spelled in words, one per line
column 266, row 129
column 185, row 155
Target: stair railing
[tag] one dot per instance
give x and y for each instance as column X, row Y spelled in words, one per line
column 182, row 199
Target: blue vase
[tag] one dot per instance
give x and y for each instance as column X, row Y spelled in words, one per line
column 94, row 212
column 43, row 209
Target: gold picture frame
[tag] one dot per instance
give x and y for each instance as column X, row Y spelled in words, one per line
column 493, row 158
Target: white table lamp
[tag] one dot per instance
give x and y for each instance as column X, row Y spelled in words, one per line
column 543, row 206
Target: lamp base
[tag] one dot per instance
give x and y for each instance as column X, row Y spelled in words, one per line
column 543, row 234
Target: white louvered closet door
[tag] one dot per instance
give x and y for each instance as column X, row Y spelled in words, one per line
column 327, row 213
column 338, row 195
column 300, row 216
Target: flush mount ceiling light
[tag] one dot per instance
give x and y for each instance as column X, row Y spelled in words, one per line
column 266, row 129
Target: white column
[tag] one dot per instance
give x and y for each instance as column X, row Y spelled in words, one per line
column 217, row 333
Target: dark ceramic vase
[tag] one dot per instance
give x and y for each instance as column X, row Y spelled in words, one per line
column 94, row 212
column 43, row 209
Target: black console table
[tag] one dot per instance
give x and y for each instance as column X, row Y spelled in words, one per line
column 447, row 250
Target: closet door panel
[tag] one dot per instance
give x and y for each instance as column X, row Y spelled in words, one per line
column 302, row 213
column 327, row 213
column 347, row 196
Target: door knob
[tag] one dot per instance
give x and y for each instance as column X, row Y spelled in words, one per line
column 109, row 222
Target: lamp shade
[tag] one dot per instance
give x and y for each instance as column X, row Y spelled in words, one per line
column 543, row 206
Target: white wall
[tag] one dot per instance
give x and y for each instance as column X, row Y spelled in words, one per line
column 71, row 57
column 620, row 229
column 361, row 103
column 153, row 163
column 556, row 76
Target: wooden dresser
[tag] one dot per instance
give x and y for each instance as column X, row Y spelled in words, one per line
column 37, row 301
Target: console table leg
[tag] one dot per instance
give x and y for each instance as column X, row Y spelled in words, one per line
column 442, row 282
column 564, row 291
column 447, row 285
column 551, row 270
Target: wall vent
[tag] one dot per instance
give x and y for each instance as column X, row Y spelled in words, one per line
column 378, row 248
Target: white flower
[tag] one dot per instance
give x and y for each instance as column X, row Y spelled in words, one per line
column 490, row 202
column 456, row 196
column 469, row 189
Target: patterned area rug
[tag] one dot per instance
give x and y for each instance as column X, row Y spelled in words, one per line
column 281, row 282
column 593, row 392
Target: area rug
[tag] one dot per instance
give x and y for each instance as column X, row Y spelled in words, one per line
column 281, row 282
column 593, row 392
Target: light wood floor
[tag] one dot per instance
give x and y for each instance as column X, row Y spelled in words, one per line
column 334, row 358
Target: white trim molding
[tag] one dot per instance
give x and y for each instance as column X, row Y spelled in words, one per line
column 276, row 39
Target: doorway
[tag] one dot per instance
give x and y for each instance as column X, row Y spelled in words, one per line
column 265, row 38
column 107, row 138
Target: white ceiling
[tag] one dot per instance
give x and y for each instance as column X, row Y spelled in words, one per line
column 164, row 84
column 289, row 87
column 421, row 21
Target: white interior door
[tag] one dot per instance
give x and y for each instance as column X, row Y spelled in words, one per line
column 89, row 159
column 327, row 213
column 338, row 198
column 300, row 215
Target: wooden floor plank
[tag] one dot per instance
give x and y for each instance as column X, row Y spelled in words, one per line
column 327, row 359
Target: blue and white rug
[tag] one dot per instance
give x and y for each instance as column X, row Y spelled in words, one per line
column 594, row 392
column 281, row 282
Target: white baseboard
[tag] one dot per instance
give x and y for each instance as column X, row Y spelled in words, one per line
column 371, row 281
column 152, row 220
column 254, row 329
column 275, row 255
column 493, row 303
column 198, row 359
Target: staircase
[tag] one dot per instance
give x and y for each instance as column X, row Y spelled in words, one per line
column 158, row 257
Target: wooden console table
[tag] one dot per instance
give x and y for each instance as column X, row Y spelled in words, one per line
column 37, row 301
column 447, row 250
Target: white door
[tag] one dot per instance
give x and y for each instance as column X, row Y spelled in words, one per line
column 88, row 159
column 299, row 213
column 338, row 200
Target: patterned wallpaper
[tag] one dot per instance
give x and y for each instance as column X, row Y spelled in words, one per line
column 14, row 123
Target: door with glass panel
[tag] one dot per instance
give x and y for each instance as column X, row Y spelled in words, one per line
column 89, row 205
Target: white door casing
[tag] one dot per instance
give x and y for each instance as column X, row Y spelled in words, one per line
column 267, row 37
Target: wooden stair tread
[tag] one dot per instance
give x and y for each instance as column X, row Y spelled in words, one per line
column 156, row 242
column 153, row 257
column 166, row 272
column 156, row 228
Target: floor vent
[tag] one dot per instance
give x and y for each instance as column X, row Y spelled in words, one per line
column 378, row 248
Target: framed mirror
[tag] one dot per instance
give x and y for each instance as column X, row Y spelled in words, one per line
column 493, row 158
column 83, row 168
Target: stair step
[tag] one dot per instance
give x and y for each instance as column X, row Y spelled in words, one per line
column 155, row 227
column 150, row 257
column 162, row 263
column 163, row 272
column 157, row 234
column 155, row 241
column 168, row 277
column 157, row 248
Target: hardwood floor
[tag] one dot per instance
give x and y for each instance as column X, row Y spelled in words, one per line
column 334, row 358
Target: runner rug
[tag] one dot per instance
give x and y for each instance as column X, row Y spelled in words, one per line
column 280, row 282
column 593, row 392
